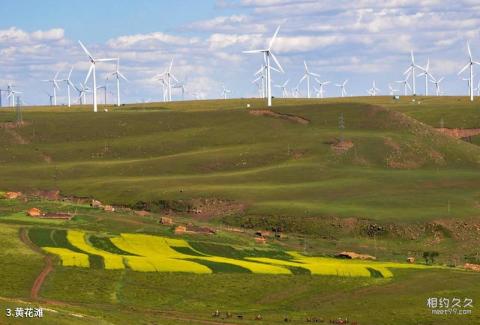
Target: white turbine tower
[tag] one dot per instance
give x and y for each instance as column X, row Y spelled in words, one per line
column 69, row 84
column 267, row 54
column 307, row 76
column 321, row 84
column 437, row 84
column 117, row 74
column 426, row 73
column 55, row 87
column 50, row 98
column 411, row 70
column 373, row 91
column 283, row 87
column 405, row 84
column 167, row 78
column 91, row 71
column 470, row 65
column 342, row 88
column 225, row 92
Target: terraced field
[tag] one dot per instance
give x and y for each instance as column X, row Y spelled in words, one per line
column 147, row 253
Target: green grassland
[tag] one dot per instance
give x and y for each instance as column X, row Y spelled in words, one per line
column 274, row 166
column 419, row 186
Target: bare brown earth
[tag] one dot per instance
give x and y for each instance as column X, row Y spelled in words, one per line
column 205, row 209
column 459, row 133
column 342, row 146
column 17, row 138
column 267, row 112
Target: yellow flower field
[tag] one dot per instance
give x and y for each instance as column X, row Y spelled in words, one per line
column 156, row 254
column 112, row 261
column 68, row 257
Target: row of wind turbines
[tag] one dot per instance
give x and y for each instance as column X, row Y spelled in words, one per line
column 263, row 78
column 83, row 89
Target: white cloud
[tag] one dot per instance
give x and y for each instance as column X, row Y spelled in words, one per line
column 148, row 41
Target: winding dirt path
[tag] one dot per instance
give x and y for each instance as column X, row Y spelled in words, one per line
column 37, row 284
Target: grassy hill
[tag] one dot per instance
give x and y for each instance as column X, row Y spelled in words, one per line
column 273, row 165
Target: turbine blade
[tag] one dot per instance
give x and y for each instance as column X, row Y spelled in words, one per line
column 259, row 71
column 276, row 62
column 89, row 73
column 122, row 76
column 464, row 68
column 273, row 38
column 254, row 51
column 85, row 50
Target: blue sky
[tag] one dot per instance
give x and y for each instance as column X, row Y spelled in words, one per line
column 362, row 40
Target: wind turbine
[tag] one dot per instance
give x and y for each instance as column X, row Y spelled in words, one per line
column 427, row 74
column 373, row 91
column 392, row 90
column 225, row 92
column 411, row 69
column 117, row 74
column 295, row 92
column 436, row 83
column 82, row 90
column 167, row 77
column 55, row 87
column 91, row 71
column 405, row 84
column 104, row 87
column 164, row 87
column 321, row 85
column 342, row 87
column 283, row 87
column 69, row 84
column 470, row 65
column 11, row 95
column 267, row 54
column 182, row 87
column 50, row 98
column 307, row 76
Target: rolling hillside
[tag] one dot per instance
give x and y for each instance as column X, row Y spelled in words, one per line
column 272, row 164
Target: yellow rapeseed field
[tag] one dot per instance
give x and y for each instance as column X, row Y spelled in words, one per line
column 112, row 261
column 68, row 257
column 155, row 254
